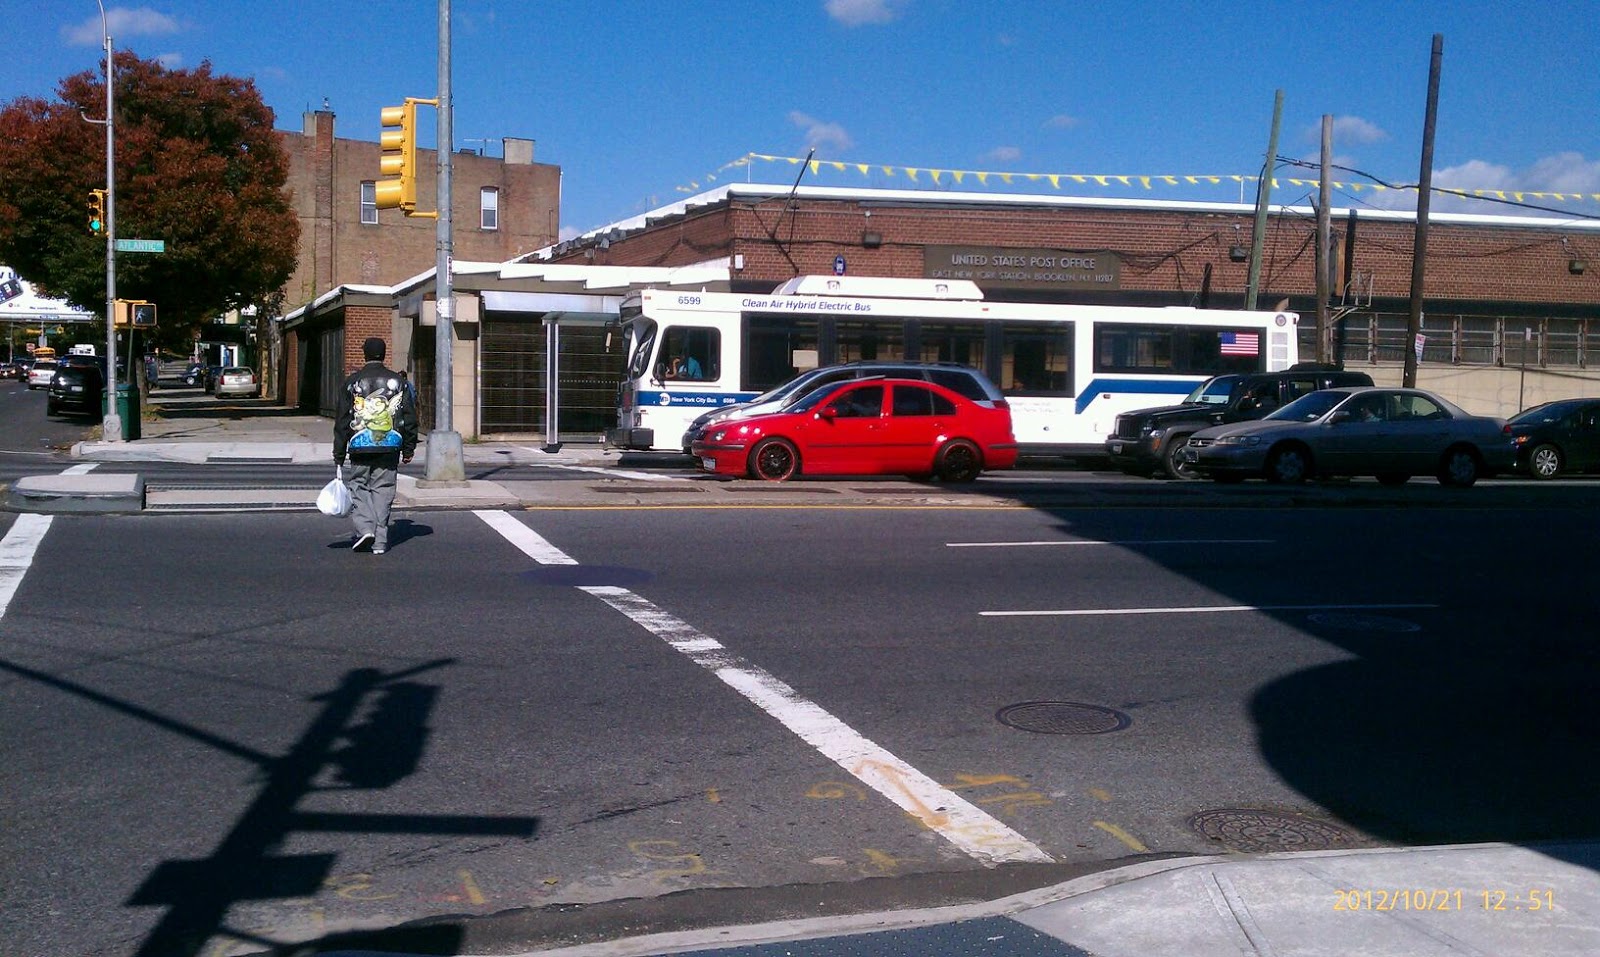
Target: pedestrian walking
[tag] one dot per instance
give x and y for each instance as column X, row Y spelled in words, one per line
column 375, row 425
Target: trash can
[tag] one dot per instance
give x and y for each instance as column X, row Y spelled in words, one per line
column 128, row 410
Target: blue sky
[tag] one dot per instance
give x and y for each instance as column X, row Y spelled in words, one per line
column 643, row 102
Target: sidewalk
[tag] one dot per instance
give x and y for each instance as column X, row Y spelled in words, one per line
column 1485, row 900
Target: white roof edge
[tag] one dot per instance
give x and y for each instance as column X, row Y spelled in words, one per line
column 768, row 191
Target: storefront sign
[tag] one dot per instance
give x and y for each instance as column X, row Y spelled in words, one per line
column 999, row 266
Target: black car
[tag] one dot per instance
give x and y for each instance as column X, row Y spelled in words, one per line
column 78, row 387
column 1148, row 441
column 1557, row 437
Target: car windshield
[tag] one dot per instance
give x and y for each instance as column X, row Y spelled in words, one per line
column 816, row 397
column 1214, row 391
column 1310, row 407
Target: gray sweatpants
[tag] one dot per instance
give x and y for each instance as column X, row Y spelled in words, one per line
column 372, row 482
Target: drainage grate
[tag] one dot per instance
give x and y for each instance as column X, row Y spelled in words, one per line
column 1256, row 831
column 1062, row 717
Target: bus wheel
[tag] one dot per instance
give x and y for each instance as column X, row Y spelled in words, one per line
column 959, row 461
column 774, row 460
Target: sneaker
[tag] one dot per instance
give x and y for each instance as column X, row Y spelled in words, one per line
column 363, row 543
column 378, row 549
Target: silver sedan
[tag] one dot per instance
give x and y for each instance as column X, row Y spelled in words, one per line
column 1392, row 434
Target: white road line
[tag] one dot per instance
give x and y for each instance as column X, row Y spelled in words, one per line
column 943, row 811
column 16, row 553
column 1126, row 544
column 1192, row 609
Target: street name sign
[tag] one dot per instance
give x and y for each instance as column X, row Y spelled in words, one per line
column 141, row 245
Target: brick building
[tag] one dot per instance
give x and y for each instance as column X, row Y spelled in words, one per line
column 1503, row 294
column 503, row 208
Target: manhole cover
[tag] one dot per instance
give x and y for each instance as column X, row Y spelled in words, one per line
column 1062, row 717
column 1351, row 621
column 586, row 575
column 1254, row 831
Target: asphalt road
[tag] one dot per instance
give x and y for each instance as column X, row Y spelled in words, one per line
column 227, row 731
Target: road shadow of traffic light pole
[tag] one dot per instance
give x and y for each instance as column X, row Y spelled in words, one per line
column 374, row 753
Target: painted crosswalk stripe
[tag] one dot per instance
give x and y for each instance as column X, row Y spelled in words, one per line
column 16, row 553
column 957, row 820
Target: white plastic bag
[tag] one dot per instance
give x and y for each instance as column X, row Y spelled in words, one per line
column 334, row 499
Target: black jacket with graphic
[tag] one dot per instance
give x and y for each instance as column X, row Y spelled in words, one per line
column 375, row 416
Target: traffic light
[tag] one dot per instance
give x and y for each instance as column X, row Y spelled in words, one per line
column 97, row 211
column 135, row 312
column 399, row 159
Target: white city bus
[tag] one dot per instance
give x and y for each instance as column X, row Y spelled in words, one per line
column 1066, row 370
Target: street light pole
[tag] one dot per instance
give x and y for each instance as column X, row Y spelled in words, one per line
column 444, row 456
column 111, row 425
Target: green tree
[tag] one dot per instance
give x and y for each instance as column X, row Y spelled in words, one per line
column 198, row 166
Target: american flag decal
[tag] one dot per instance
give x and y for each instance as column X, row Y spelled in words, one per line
column 1241, row 343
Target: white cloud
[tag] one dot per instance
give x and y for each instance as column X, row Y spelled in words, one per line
column 1003, row 154
column 1565, row 172
column 171, row 61
column 122, row 23
column 1347, row 131
column 1061, row 121
column 821, row 135
column 855, row 13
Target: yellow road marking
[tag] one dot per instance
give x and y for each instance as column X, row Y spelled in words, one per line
column 1121, row 835
column 474, row 895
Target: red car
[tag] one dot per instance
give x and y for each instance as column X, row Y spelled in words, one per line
column 866, row 427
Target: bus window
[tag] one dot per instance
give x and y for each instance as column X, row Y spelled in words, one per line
column 866, row 341
column 690, row 354
column 644, row 340
column 777, row 346
column 1225, row 350
column 953, row 342
column 1036, row 359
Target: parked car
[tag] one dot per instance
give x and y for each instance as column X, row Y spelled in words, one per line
column 77, row 387
column 952, row 375
column 237, row 381
column 1389, row 433
column 1557, row 437
column 193, row 374
column 866, row 427
column 1150, row 441
column 39, row 374
column 209, row 377
column 14, row 369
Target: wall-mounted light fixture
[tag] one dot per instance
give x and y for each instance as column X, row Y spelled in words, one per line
column 1238, row 254
column 1575, row 266
column 1575, row 263
column 871, row 240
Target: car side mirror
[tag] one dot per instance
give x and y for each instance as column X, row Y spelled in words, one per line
column 1340, row 417
column 827, row 412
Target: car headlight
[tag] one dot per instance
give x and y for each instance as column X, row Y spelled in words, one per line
column 1155, row 433
column 1239, row 440
column 716, row 436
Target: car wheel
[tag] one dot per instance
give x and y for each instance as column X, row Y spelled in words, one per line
column 1544, row 462
column 1459, row 468
column 1289, row 465
column 1393, row 478
column 958, row 461
column 1174, row 465
column 774, row 460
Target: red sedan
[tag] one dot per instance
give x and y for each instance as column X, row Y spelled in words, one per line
column 866, row 427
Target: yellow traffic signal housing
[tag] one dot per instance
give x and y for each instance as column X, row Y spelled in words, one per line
column 97, row 211
column 399, row 159
column 136, row 312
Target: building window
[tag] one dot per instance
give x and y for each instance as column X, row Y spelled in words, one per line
column 369, row 203
column 489, row 207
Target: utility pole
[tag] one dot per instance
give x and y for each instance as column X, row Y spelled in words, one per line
column 444, row 462
column 1263, row 195
column 1419, row 252
column 1324, row 240
column 111, row 425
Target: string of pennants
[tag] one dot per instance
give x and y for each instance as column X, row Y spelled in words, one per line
column 959, row 177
